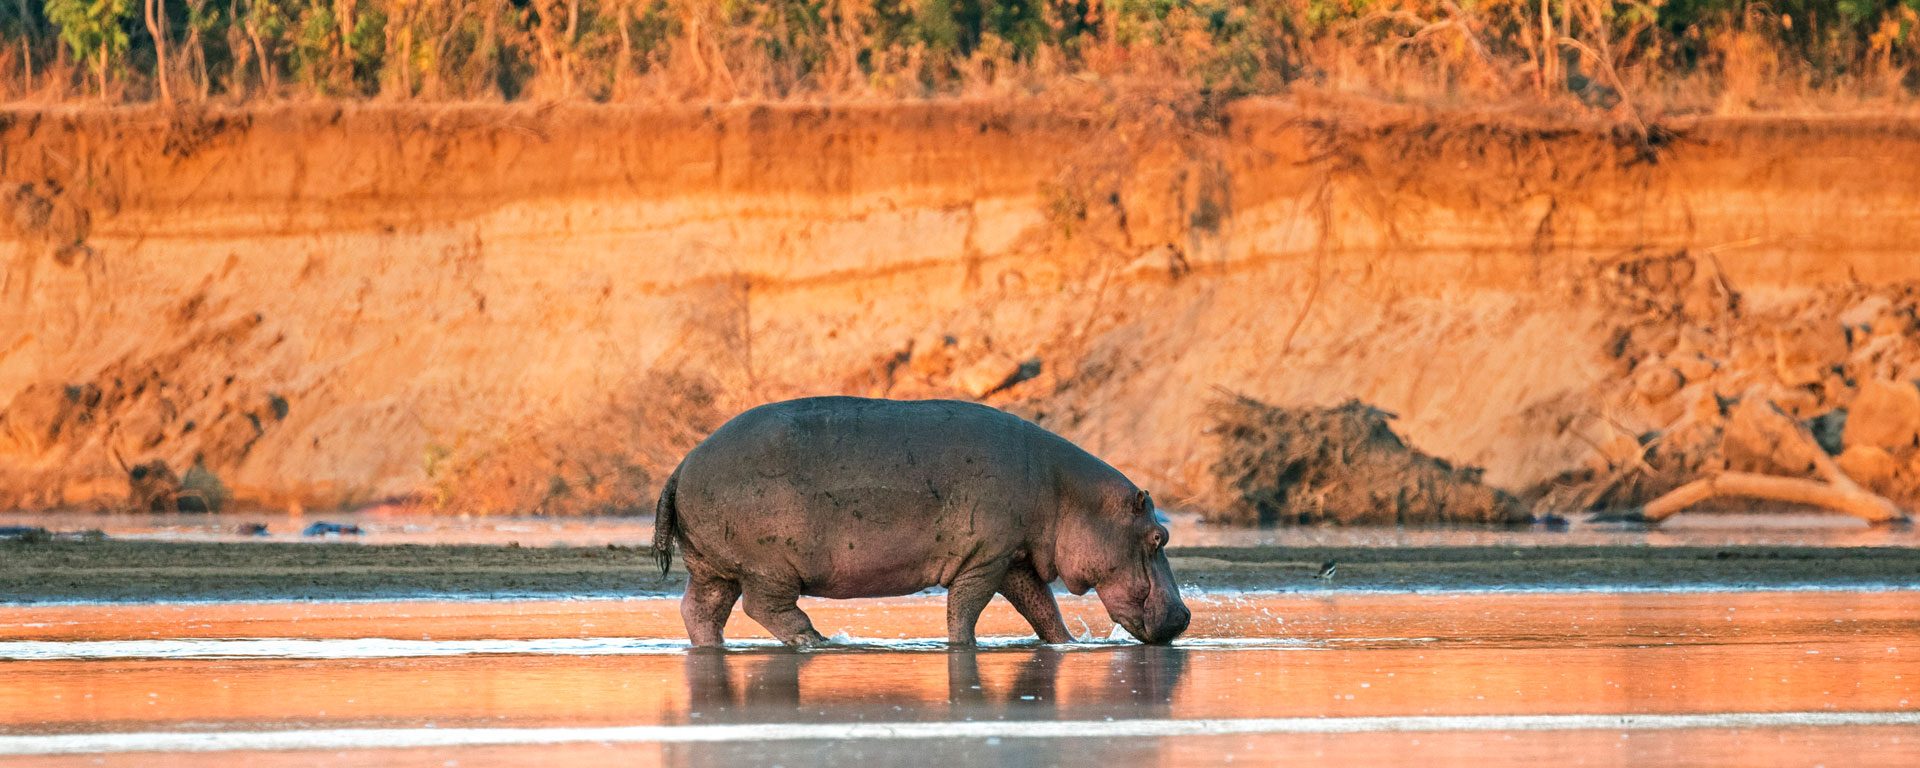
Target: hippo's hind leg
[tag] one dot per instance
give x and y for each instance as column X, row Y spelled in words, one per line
column 1034, row 600
column 775, row 608
column 707, row 605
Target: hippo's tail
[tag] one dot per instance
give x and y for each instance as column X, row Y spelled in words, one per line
column 666, row 523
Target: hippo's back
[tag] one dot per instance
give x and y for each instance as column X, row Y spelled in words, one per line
column 829, row 444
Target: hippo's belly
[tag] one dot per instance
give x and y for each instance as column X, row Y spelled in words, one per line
column 886, row 540
column 872, row 540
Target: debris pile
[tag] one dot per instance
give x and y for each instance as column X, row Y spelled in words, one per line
column 153, row 487
column 1341, row 465
column 1811, row 402
column 169, row 415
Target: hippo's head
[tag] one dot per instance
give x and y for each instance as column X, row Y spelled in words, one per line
column 1118, row 550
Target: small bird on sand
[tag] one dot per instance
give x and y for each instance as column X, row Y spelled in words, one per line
column 1326, row 570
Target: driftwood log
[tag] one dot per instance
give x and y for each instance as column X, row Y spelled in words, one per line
column 1790, row 439
column 1855, row 501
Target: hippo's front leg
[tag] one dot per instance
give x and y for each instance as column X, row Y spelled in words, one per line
column 967, row 596
column 1034, row 600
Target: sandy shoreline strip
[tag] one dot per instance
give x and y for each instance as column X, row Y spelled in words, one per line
column 121, row 571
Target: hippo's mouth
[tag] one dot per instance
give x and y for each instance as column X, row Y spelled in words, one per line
column 1150, row 626
column 1136, row 629
column 1160, row 632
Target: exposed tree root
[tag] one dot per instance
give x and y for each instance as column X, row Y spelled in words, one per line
column 1865, row 505
column 1791, row 441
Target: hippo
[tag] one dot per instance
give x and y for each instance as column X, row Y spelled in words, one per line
column 846, row 497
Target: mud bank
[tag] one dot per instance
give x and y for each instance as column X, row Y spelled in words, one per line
column 520, row 308
column 146, row 572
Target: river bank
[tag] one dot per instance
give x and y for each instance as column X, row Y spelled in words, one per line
column 118, row 571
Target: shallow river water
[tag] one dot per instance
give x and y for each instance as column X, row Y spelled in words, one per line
column 1646, row 678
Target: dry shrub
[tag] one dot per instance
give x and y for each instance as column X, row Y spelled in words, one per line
column 611, row 460
column 1748, row 64
column 1341, row 465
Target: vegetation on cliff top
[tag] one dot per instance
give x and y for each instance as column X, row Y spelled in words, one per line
column 1666, row 55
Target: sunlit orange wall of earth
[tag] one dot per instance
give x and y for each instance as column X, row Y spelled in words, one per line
column 417, row 279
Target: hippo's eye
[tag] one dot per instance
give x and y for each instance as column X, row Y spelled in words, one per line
column 1156, row 539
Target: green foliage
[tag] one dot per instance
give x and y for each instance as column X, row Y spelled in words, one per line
column 311, row 55
column 600, row 49
column 95, row 30
column 365, row 47
column 23, row 24
column 1857, row 12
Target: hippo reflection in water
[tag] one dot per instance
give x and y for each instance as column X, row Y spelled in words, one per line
column 848, row 497
column 1128, row 681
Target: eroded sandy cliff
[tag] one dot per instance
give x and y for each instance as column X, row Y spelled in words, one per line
column 513, row 307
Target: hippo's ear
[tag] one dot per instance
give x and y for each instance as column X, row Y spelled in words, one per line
column 1142, row 503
